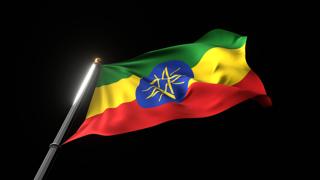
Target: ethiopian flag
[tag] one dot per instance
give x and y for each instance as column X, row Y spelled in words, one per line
column 193, row 80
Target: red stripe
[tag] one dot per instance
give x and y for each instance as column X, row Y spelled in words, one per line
column 202, row 100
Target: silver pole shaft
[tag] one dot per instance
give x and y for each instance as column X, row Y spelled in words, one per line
column 57, row 141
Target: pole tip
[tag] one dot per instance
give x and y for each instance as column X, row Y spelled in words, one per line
column 97, row 60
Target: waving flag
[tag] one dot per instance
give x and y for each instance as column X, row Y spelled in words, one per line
column 193, row 80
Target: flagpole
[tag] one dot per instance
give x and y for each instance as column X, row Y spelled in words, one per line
column 53, row 147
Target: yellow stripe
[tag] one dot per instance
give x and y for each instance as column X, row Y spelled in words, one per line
column 191, row 81
column 222, row 66
column 112, row 95
column 217, row 65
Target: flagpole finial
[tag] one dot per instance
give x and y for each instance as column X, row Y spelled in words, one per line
column 97, row 60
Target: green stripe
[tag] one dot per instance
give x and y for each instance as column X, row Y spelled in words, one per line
column 189, row 53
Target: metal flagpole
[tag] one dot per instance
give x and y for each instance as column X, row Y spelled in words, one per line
column 57, row 141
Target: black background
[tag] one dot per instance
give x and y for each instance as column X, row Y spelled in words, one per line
column 57, row 43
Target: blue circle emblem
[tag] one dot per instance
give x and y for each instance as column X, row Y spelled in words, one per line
column 168, row 82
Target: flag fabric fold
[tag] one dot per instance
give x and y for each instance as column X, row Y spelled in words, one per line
column 193, row 80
